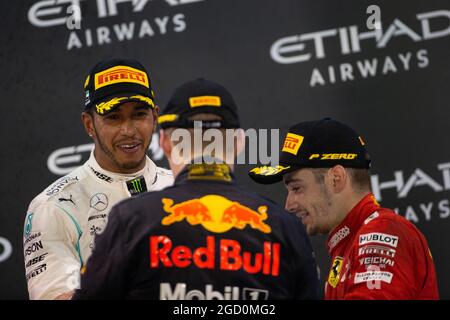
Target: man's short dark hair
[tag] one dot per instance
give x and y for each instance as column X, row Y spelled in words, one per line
column 360, row 178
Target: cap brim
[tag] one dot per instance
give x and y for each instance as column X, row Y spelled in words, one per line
column 113, row 102
column 269, row 175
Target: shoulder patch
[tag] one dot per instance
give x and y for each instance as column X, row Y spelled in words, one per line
column 164, row 171
column 371, row 217
column 60, row 184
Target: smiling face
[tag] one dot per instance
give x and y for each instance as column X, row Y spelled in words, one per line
column 310, row 199
column 122, row 137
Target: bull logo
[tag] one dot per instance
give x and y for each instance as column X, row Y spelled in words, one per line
column 216, row 214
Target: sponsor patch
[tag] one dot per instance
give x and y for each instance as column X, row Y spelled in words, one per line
column 97, row 216
column 36, row 271
column 371, row 217
column 59, row 185
column 216, row 214
column 338, row 236
column 28, row 224
column 333, row 277
column 31, row 237
column 33, row 247
column 217, row 254
column 381, row 238
column 181, row 292
column 376, row 250
column 99, row 201
column 35, row 260
column 376, row 260
column 373, row 276
column 102, row 175
column 136, row 186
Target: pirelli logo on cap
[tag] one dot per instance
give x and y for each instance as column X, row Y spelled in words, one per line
column 292, row 143
column 120, row 74
column 210, row 101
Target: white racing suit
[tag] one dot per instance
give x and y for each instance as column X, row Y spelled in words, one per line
column 63, row 220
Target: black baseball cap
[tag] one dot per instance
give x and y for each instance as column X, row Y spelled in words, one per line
column 316, row 144
column 200, row 96
column 115, row 81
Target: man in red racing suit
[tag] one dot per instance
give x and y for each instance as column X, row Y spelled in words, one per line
column 377, row 254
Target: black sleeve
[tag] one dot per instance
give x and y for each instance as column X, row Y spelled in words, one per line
column 307, row 284
column 105, row 271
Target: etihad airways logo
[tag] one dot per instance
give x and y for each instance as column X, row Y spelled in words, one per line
column 315, row 46
column 49, row 13
column 293, row 49
column 421, row 184
column 72, row 13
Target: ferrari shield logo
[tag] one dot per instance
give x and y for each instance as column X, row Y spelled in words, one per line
column 333, row 278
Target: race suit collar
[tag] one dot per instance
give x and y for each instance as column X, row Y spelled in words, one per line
column 148, row 172
column 206, row 172
column 352, row 222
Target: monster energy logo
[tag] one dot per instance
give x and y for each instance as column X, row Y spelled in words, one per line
column 137, row 186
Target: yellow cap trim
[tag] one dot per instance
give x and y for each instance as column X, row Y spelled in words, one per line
column 167, row 118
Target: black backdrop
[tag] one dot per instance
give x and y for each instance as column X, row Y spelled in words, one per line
column 285, row 61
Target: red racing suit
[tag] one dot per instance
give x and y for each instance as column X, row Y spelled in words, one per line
column 377, row 254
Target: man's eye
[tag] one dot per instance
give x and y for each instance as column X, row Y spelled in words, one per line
column 141, row 114
column 112, row 117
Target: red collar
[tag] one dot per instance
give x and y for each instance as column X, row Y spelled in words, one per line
column 352, row 221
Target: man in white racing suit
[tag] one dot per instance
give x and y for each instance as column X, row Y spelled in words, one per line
column 63, row 220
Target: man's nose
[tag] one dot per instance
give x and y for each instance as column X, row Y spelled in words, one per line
column 290, row 205
column 128, row 128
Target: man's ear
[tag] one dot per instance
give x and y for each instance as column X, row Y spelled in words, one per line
column 155, row 113
column 338, row 178
column 88, row 122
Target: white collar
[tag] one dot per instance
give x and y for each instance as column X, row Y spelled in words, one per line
column 149, row 172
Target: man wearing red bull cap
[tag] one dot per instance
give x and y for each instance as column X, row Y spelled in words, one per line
column 376, row 254
column 120, row 116
column 206, row 237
